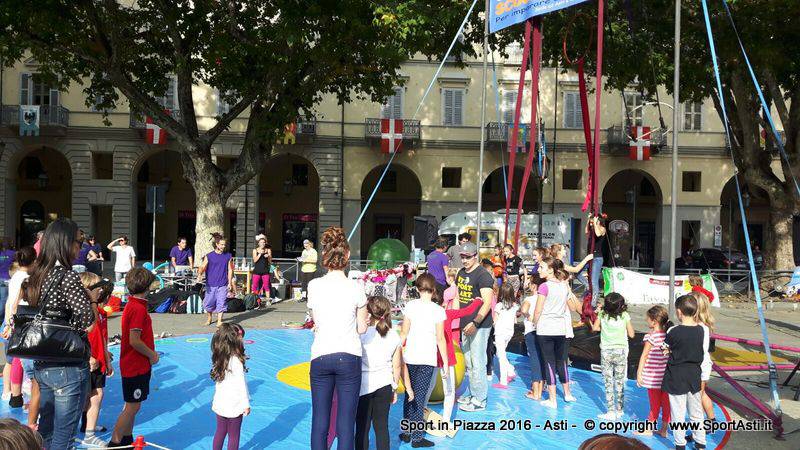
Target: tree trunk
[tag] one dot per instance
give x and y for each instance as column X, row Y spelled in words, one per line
column 778, row 254
column 210, row 201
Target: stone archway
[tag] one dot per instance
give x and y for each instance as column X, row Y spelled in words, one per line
column 757, row 209
column 629, row 193
column 495, row 185
column 392, row 211
column 289, row 204
column 162, row 168
column 42, row 191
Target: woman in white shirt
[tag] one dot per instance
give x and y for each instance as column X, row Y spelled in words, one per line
column 231, row 398
column 423, row 333
column 338, row 308
column 126, row 257
column 381, row 367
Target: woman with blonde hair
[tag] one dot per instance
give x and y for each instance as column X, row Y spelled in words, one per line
column 704, row 318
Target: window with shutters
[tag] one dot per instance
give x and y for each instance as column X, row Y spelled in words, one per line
column 509, row 105
column 393, row 108
column 33, row 91
column 453, row 107
column 571, row 179
column 692, row 116
column 632, row 111
column 573, row 117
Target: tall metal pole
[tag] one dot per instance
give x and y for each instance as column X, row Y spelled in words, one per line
column 483, row 125
column 155, row 203
column 633, row 227
column 674, row 204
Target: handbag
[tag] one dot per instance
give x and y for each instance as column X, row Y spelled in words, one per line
column 45, row 334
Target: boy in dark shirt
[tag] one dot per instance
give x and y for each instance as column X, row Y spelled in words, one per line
column 684, row 345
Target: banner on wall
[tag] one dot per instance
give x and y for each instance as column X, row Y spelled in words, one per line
column 504, row 13
column 644, row 289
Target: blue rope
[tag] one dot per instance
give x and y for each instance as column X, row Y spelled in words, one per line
column 764, row 105
column 773, row 374
column 419, row 106
column 499, row 121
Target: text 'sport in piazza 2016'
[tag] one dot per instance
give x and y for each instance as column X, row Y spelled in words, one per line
column 710, row 426
column 504, row 13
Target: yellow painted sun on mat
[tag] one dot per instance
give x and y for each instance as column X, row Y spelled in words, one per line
column 296, row 376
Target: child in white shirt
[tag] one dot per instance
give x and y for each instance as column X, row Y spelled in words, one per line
column 231, row 398
column 505, row 316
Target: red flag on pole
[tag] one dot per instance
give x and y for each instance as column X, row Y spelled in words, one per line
column 640, row 144
column 391, row 135
column 155, row 134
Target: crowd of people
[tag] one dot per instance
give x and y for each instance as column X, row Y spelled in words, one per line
column 358, row 363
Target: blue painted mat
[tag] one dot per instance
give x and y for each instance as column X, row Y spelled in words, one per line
column 178, row 413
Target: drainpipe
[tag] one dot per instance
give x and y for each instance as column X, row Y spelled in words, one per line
column 341, row 171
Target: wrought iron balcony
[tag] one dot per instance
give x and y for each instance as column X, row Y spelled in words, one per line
column 307, row 126
column 50, row 117
column 411, row 129
column 619, row 139
column 498, row 132
column 138, row 119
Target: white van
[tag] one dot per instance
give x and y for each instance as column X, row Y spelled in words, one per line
column 557, row 230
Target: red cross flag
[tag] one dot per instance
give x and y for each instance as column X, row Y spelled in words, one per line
column 155, row 134
column 640, row 144
column 391, row 135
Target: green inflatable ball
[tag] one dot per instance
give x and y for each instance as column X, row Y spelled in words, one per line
column 387, row 253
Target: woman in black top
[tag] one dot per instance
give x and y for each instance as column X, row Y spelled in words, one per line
column 262, row 259
column 64, row 385
column 597, row 226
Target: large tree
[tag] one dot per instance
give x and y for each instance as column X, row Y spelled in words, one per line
column 639, row 51
column 275, row 59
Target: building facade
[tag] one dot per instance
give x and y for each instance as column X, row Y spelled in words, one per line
column 98, row 174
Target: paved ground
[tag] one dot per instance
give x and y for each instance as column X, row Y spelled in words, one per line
column 735, row 319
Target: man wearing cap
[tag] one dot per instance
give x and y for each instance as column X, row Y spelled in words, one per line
column 472, row 282
column 308, row 268
column 454, row 253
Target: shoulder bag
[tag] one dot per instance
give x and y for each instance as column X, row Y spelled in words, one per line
column 45, row 334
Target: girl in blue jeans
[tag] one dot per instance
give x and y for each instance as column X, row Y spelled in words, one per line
column 534, row 353
column 338, row 309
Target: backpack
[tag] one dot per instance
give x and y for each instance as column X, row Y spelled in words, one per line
column 164, row 307
column 156, row 299
column 194, row 304
column 251, row 301
column 235, row 305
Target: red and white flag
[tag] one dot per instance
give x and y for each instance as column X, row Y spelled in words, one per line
column 155, row 134
column 391, row 135
column 640, row 144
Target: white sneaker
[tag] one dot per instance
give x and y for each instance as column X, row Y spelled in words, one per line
column 549, row 404
column 94, row 442
column 6, row 396
column 619, row 414
column 489, row 377
column 570, row 398
column 609, row 416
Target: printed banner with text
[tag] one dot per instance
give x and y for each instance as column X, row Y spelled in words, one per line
column 643, row 289
column 504, row 13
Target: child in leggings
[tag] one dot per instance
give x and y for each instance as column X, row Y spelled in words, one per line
column 231, row 398
column 505, row 316
column 423, row 333
column 551, row 328
column 652, row 365
column 534, row 353
column 614, row 324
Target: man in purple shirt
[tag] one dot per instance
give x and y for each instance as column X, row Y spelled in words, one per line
column 437, row 265
column 181, row 254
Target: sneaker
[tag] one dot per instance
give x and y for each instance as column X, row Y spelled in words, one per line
column 472, row 407
column 549, row 404
column 512, row 378
column 405, row 437
column 619, row 414
column 464, row 400
column 16, row 401
column 94, row 441
column 500, row 386
column 6, row 396
column 489, row 376
column 609, row 416
column 570, row 398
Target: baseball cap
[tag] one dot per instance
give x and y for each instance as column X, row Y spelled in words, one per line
column 468, row 249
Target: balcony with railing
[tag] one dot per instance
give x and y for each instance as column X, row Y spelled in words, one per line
column 619, row 139
column 411, row 129
column 499, row 132
column 138, row 118
column 52, row 119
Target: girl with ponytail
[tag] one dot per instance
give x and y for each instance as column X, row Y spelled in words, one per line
column 381, row 368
